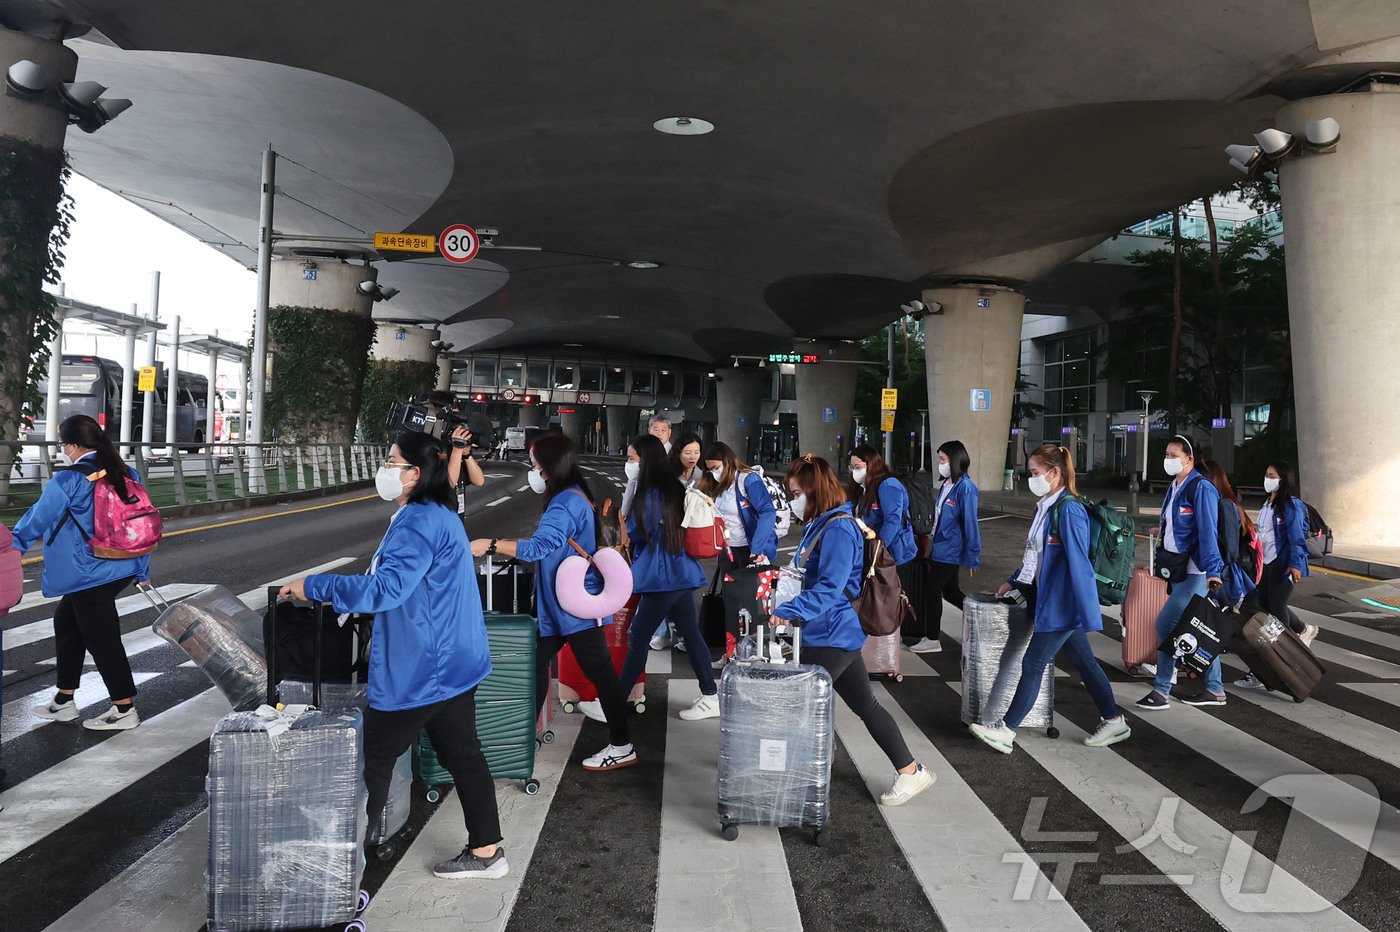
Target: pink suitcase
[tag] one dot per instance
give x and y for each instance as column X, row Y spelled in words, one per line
column 881, row 655
column 1147, row 594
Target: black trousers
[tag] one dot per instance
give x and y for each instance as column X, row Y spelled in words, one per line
column 590, row 647
column 86, row 622
column 852, row 683
column 741, row 595
column 942, row 580
column 451, row 725
column 1274, row 591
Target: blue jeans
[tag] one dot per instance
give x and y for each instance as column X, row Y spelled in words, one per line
column 1040, row 652
column 1167, row 620
column 679, row 606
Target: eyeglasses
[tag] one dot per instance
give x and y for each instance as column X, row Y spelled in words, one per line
column 391, row 465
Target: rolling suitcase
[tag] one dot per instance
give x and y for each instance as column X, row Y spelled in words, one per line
column 574, row 687
column 1147, row 594
column 914, row 576
column 286, row 814
column 995, row 637
column 776, row 728
column 222, row 636
column 1278, row 657
column 881, row 655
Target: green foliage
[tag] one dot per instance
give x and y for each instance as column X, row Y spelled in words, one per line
column 318, row 365
column 35, row 220
column 908, row 378
column 1021, row 409
column 385, row 382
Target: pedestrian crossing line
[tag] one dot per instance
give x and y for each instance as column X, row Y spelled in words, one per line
column 1347, row 629
column 163, row 891
column 58, row 795
column 659, row 662
column 34, row 631
column 969, row 882
column 19, row 720
column 704, row 882
column 1257, row 762
column 412, row 899
column 1385, row 692
column 1358, row 733
column 1131, row 802
column 503, row 498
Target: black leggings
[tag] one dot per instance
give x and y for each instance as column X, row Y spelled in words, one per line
column 590, row 648
column 1275, row 589
column 852, row 684
column 86, row 622
column 942, row 579
column 451, row 726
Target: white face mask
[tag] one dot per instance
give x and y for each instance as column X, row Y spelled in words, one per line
column 945, row 470
column 64, row 458
column 798, row 505
column 631, row 470
column 1172, row 466
column 388, row 484
column 536, row 480
column 1039, row 486
column 718, row 474
column 1270, row 485
column 858, row 475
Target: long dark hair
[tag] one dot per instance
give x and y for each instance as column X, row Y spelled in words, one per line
column 81, row 430
column 554, row 452
column 817, row 480
column 733, row 466
column 427, row 453
column 680, row 444
column 958, row 460
column 1221, row 480
column 657, row 486
column 876, row 472
column 1287, row 484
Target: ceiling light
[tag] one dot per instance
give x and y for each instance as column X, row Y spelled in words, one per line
column 574, row 344
column 665, row 371
column 1245, row 155
column 27, row 80
column 643, row 264
column 385, row 293
column 1322, row 135
column 1275, row 143
column 683, row 126
column 611, row 316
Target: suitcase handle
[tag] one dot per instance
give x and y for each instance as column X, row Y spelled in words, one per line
column 796, row 641
column 270, row 647
column 152, row 594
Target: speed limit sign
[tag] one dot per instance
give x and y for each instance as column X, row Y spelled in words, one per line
column 458, row 243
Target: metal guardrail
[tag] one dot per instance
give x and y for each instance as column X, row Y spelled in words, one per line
column 220, row 471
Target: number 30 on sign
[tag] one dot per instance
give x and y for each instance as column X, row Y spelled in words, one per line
column 459, row 243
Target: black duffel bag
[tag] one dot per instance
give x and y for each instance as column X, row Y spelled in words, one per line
column 344, row 647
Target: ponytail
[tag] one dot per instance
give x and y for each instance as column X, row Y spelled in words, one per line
column 1052, row 456
column 81, row 430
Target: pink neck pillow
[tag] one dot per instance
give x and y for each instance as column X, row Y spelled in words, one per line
column 573, row 594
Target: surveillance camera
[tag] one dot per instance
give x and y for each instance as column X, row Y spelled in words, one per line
column 104, row 111
column 27, row 80
column 487, row 232
column 1322, row 135
column 437, row 345
column 367, row 288
column 385, row 294
column 81, row 94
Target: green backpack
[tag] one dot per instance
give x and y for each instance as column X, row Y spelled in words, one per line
column 1112, row 547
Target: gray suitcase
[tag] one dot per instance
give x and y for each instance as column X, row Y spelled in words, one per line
column 222, row 636
column 995, row 637
column 776, row 729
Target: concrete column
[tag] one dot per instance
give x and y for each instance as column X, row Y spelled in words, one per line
column 532, row 415
column 826, row 395
column 971, row 348
column 400, row 342
column 740, row 395
column 1342, row 216
column 621, row 421
column 129, row 389
column 572, row 421
column 444, row 374
column 334, row 290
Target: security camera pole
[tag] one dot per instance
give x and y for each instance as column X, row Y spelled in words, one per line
column 258, row 393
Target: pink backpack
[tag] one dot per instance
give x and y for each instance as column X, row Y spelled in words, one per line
column 122, row 529
column 11, row 572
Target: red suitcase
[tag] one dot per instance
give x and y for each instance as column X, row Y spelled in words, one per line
column 574, row 687
column 1147, row 594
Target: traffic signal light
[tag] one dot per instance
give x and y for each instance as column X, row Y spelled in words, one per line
column 479, row 396
column 529, row 399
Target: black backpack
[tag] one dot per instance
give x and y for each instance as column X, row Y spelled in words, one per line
column 923, row 495
column 1319, row 534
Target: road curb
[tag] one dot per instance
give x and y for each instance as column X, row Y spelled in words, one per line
column 200, row 509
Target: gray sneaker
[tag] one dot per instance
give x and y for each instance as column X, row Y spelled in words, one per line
column 1110, row 731
column 468, row 866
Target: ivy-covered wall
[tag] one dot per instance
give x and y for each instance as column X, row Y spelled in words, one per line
column 387, row 381
column 318, row 369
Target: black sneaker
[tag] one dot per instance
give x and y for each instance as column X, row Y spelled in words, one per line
column 468, row 866
column 1153, row 702
column 1205, row 697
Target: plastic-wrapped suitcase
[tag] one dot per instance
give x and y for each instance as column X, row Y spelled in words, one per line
column 574, row 687
column 286, row 815
column 995, row 637
column 881, row 655
column 1278, row 657
column 1147, row 594
column 222, row 636
column 776, row 728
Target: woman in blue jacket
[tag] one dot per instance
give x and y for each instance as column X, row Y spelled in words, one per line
column 956, row 536
column 429, row 650
column 1057, row 581
column 1282, row 528
column 750, row 533
column 832, row 554
column 662, row 571
column 882, row 502
column 85, row 620
column 568, row 515
column 1189, row 558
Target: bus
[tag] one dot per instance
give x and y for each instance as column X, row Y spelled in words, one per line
column 92, row 385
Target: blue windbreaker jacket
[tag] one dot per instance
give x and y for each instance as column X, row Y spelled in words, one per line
column 568, row 515
column 832, row 576
column 958, row 537
column 889, row 517
column 654, row 568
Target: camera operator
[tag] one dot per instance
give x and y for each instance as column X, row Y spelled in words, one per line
column 462, row 466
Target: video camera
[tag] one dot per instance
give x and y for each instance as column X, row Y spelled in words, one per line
column 440, row 414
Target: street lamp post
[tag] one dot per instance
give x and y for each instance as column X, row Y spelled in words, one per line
column 1146, row 395
column 923, row 438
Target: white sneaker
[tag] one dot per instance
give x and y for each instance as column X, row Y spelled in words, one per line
column 57, row 711
column 1309, row 632
column 1249, row 682
column 907, row 786
column 928, row 646
column 719, row 664
column 114, row 720
column 997, row 736
column 611, row 758
column 592, row 708
column 680, row 645
column 660, row 642
column 1110, row 731
column 704, row 707
column 1146, row 669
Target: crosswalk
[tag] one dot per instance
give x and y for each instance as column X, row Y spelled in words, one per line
column 1261, row 815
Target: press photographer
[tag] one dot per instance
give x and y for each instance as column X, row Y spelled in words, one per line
column 444, row 417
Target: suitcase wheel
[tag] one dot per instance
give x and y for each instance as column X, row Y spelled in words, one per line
column 1052, row 732
column 385, row 851
column 822, row 837
column 568, row 706
column 639, row 706
column 361, row 905
column 728, row 831
column 1295, row 699
column 434, row 794
column 532, row 786
column 897, row 677
column 547, row 737
column 355, row 926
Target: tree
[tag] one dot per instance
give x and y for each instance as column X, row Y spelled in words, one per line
column 909, row 378
column 1021, row 409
